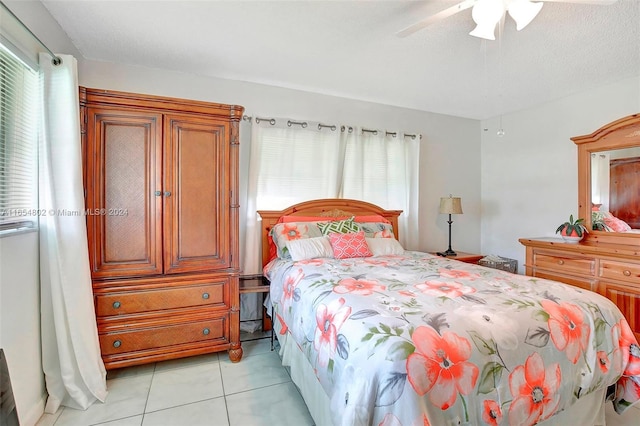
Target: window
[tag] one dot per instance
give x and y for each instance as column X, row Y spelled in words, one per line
column 19, row 114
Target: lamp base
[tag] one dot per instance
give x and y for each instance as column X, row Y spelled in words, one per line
column 447, row 253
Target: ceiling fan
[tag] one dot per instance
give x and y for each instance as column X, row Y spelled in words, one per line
column 487, row 13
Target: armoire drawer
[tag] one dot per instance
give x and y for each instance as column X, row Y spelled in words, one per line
column 566, row 264
column 131, row 302
column 162, row 336
column 629, row 272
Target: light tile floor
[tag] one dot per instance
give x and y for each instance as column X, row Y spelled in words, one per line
column 210, row 390
column 203, row 390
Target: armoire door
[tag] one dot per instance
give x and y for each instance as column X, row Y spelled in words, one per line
column 124, row 211
column 196, row 194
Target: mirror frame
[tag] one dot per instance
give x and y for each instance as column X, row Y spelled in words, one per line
column 622, row 133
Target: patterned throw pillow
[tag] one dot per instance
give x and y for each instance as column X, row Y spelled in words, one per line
column 377, row 230
column 339, row 226
column 617, row 225
column 349, row 245
column 285, row 232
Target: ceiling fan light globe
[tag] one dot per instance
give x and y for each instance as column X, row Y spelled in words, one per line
column 486, row 14
column 486, row 32
column 523, row 12
column 488, row 11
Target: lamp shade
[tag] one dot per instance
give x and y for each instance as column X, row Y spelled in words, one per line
column 450, row 205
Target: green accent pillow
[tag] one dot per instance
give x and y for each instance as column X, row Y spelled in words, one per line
column 339, row 226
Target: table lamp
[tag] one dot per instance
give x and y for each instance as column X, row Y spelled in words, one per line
column 450, row 205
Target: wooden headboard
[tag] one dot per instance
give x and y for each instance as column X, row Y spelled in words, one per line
column 328, row 207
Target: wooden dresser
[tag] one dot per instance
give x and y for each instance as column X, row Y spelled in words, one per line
column 161, row 183
column 612, row 270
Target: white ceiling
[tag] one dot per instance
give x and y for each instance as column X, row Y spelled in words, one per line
column 349, row 48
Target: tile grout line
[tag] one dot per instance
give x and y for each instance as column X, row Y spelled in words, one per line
column 146, row 402
column 224, row 394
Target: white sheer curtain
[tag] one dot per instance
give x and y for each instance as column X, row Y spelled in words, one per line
column 381, row 167
column 288, row 163
column 74, row 373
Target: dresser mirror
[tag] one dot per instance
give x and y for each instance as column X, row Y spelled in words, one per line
column 609, row 182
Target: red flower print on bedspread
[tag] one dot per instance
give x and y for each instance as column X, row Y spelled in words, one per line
column 603, row 361
column 491, row 413
column 569, row 332
column 457, row 274
column 449, row 289
column 628, row 350
column 360, row 287
column 289, row 288
column 534, row 390
column 329, row 319
column 439, row 366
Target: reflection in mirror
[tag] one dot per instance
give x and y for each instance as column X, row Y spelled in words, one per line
column 615, row 190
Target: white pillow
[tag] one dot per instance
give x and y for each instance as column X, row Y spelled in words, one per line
column 310, row 248
column 384, row 246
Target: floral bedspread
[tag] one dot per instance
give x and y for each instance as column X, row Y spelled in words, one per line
column 417, row 339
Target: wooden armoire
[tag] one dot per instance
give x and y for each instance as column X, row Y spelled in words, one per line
column 161, row 194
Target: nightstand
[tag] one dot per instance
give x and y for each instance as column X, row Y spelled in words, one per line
column 258, row 284
column 461, row 256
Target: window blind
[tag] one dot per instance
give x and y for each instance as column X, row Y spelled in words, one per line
column 19, row 114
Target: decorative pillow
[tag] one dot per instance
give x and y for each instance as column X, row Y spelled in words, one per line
column 377, row 230
column 339, row 226
column 310, row 248
column 349, row 245
column 384, row 246
column 617, row 225
column 371, row 218
column 285, row 232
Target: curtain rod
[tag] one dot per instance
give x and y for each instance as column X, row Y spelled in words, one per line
column 304, row 124
column 56, row 59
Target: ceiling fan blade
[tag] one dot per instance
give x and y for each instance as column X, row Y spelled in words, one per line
column 466, row 4
column 593, row 2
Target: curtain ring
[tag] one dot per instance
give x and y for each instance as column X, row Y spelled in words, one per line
column 271, row 121
column 300, row 123
column 328, row 126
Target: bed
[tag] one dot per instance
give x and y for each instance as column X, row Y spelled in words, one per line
column 398, row 337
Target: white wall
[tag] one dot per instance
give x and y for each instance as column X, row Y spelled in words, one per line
column 530, row 176
column 20, row 322
column 450, row 150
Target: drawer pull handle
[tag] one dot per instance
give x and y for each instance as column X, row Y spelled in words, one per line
column 117, row 344
column 627, row 273
column 116, row 305
column 560, row 262
column 206, row 331
column 167, row 193
column 205, row 295
column 158, row 193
